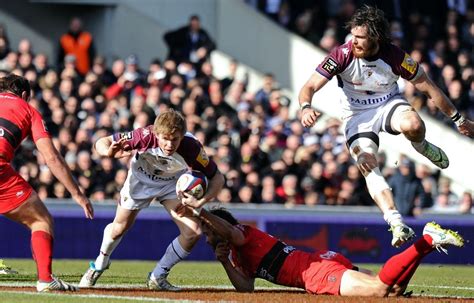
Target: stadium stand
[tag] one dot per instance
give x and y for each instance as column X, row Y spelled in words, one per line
column 266, row 155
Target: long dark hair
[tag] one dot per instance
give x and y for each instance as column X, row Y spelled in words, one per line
column 15, row 84
column 373, row 18
column 224, row 214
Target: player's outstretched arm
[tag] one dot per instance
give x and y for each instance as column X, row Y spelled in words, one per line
column 309, row 116
column 240, row 280
column 61, row 171
column 436, row 95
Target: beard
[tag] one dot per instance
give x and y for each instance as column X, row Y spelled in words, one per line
column 365, row 52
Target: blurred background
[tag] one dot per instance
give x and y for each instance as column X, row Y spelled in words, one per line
column 104, row 66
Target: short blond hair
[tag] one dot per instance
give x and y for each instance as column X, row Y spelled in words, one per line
column 170, row 122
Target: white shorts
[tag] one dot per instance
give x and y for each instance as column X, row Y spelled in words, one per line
column 368, row 123
column 136, row 195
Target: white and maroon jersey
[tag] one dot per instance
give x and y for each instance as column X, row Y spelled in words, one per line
column 150, row 166
column 368, row 82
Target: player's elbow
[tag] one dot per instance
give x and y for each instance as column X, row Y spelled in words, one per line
column 218, row 180
column 52, row 159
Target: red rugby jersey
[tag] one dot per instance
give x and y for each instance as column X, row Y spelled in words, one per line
column 18, row 120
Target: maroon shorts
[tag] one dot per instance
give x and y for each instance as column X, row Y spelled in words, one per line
column 14, row 190
column 323, row 276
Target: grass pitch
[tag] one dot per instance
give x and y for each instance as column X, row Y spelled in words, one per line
column 429, row 280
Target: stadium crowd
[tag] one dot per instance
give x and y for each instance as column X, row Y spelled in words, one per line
column 440, row 36
column 266, row 156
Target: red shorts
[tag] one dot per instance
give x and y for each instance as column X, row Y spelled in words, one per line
column 14, row 190
column 323, row 276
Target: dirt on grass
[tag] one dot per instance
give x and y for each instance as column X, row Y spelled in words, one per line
column 214, row 295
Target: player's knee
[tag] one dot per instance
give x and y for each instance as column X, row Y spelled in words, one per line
column 361, row 146
column 191, row 235
column 413, row 126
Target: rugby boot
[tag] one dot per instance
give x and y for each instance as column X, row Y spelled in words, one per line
column 56, row 284
column 6, row 270
column 401, row 233
column 92, row 275
column 435, row 154
column 442, row 237
column 160, row 283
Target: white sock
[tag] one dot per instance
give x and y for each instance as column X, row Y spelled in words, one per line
column 393, row 217
column 107, row 247
column 174, row 254
column 420, row 146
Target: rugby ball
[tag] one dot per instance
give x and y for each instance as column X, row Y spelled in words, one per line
column 192, row 182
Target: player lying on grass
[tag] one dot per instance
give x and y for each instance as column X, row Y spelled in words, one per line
column 248, row 253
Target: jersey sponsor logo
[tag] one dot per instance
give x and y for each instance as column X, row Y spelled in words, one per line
column 127, row 136
column 203, row 158
column 154, row 176
column 330, row 66
column 345, row 51
column 145, row 132
column 409, row 64
column 328, row 255
column 370, row 100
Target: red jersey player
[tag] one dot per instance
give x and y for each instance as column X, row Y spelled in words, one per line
column 18, row 201
column 248, row 253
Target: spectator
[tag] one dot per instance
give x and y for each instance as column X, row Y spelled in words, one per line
column 78, row 43
column 189, row 43
column 408, row 192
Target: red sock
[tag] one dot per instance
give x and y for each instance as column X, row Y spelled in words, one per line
column 42, row 249
column 397, row 265
column 409, row 272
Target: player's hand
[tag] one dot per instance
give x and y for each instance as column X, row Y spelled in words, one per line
column 467, row 128
column 309, row 116
column 222, row 252
column 119, row 149
column 183, row 210
column 190, row 200
column 86, row 205
column 366, row 163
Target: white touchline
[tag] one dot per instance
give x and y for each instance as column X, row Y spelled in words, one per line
column 69, row 294
column 142, row 286
column 442, row 286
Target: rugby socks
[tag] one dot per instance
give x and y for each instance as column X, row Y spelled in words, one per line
column 392, row 217
column 107, row 247
column 401, row 267
column 408, row 273
column 174, row 254
column 42, row 250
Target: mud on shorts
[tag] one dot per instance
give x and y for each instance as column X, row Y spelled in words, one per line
column 14, row 190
